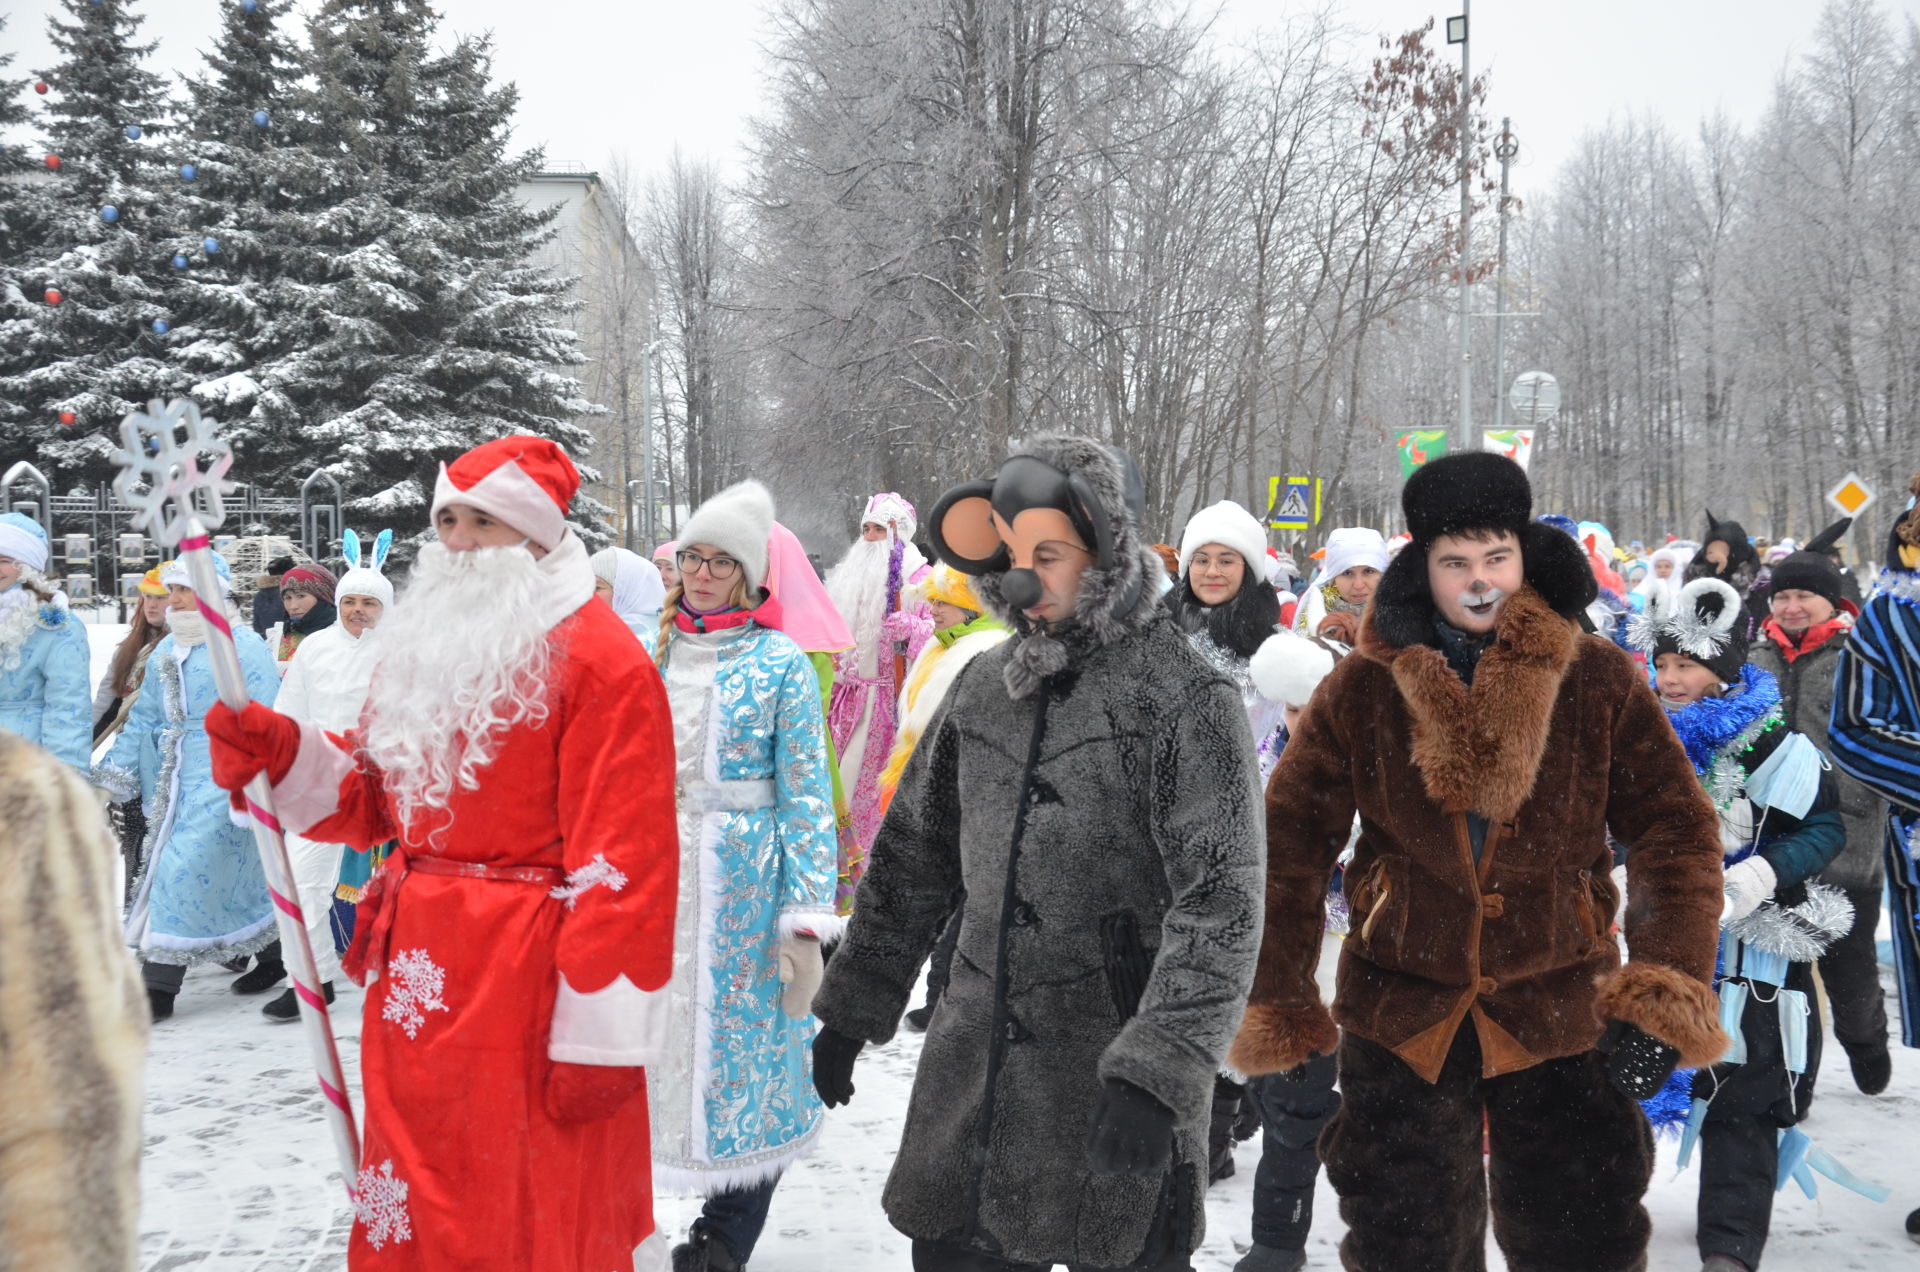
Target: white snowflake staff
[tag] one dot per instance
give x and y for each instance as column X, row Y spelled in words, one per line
column 173, row 467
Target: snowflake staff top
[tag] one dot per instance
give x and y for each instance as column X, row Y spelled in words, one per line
column 178, row 455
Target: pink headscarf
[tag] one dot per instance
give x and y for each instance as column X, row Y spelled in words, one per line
column 667, row 550
column 797, row 602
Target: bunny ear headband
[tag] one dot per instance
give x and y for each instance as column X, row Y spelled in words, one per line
column 382, row 545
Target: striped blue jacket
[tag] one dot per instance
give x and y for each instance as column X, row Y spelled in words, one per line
column 1875, row 732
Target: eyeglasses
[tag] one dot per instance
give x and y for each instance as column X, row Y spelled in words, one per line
column 719, row 568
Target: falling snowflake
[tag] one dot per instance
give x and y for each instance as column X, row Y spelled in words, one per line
column 414, row 983
column 380, row 1206
column 595, row 872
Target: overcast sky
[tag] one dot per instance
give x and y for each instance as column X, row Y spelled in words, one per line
column 604, row 77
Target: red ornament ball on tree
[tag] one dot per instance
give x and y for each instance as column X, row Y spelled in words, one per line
column 67, row 418
column 53, row 296
column 53, row 161
column 40, row 86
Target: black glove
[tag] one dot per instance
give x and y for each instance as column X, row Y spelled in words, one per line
column 833, row 1057
column 1638, row 1063
column 1132, row 1132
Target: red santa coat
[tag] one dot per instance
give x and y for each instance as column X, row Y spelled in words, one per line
column 531, row 932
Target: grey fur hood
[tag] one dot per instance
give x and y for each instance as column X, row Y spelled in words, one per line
column 1115, row 600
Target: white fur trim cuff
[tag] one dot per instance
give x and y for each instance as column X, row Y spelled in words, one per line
column 310, row 792
column 824, row 924
column 619, row 1025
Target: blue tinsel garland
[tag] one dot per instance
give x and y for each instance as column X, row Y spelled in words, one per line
column 1667, row 1108
column 1709, row 724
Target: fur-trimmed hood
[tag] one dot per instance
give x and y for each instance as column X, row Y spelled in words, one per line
column 1114, row 602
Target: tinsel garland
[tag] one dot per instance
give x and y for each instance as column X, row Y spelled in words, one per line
column 1667, row 1109
column 1717, row 731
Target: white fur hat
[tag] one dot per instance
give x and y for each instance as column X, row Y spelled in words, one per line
column 1229, row 525
column 739, row 519
column 1288, row 667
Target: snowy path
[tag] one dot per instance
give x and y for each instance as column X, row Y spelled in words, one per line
column 239, row 1171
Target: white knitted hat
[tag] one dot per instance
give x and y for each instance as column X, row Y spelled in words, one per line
column 1229, row 525
column 738, row 519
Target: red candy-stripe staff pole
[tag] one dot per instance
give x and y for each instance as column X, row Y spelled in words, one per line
column 181, row 459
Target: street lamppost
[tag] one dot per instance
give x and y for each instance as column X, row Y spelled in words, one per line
column 1457, row 34
column 646, row 442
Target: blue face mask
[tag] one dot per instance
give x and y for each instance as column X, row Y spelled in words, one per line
column 1793, row 1029
column 1733, row 1005
column 1790, row 778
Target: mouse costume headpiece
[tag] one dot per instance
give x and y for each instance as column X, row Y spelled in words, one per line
column 1060, row 488
column 1707, row 624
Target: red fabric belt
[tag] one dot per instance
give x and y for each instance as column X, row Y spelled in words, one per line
column 373, row 923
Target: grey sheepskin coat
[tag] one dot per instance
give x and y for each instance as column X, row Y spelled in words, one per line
column 1078, row 788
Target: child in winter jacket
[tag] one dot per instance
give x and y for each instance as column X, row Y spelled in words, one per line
column 1780, row 823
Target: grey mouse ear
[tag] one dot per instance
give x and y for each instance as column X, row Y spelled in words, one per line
column 960, row 528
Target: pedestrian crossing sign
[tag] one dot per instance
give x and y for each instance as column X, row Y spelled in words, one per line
column 1297, row 506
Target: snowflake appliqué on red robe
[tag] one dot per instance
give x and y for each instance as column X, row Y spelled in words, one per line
column 380, row 1206
column 414, row 985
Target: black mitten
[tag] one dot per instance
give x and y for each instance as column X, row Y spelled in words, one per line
column 1132, row 1132
column 1638, row 1063
column 833, row 1057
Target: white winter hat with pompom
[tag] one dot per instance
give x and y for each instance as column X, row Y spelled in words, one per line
column 739, row 521
column 1288, row 667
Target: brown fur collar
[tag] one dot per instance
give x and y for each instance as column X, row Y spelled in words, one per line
column 1479, row 749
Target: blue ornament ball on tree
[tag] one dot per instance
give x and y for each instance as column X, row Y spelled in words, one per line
column 179, row 261
column 261, row 119
column 160, row 327
column 133, row 132
column 211, row 244
column 248, row 6
column 188, row 172
column 109, row 214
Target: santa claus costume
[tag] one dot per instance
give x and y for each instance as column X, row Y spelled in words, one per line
column 735, row 1105
column 516, row 742
column 867, row 587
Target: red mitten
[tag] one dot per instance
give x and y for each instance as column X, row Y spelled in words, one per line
column 250, row 742
column 589, row 1092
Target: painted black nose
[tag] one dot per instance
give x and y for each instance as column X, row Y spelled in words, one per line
column 1021, row 588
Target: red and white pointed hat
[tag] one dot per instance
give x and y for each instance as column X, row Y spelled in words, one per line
column 524, row 481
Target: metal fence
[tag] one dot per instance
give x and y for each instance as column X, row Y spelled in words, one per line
column 97, row 557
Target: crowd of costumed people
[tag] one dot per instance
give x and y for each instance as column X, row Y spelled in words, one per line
column 1458, row 862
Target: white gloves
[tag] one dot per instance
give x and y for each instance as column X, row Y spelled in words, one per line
column 801, row 968
column 1748, row 884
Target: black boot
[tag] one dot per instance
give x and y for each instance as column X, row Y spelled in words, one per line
column 160, row 1002
column 266, row 973
column 1228, row 1097
column 704, row 1252
column 1872, row 1068
column 287, row 1006
column 919, row 1018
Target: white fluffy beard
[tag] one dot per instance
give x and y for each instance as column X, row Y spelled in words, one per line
column 464, row 659
column 858, row 588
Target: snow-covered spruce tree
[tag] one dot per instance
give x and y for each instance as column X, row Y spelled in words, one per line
column 246, row 182
column 22, row 231
column 94, row 354
column 434, row 331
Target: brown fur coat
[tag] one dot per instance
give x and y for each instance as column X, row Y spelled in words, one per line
column 1557, row 742
column 73, row 1028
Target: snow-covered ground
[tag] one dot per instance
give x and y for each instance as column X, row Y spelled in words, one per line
column 239, row 1173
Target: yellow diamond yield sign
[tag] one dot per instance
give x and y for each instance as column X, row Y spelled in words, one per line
column 1851, row 496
